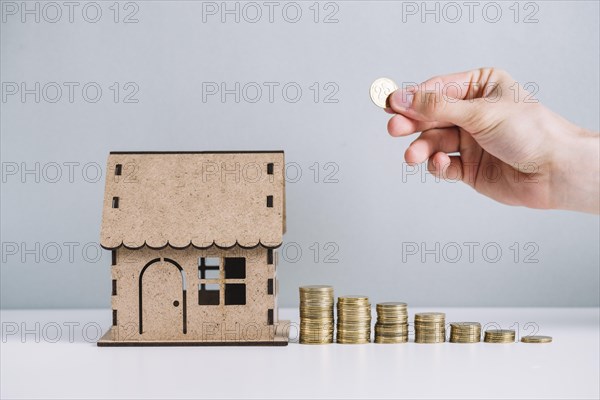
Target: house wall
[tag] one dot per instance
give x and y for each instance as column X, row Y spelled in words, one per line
column 161, row 283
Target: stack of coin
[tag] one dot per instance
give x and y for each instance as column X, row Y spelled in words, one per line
column 499, row 336
column 316, row 314
column 354, row 319
column 536, row 339
column 430, row 327
column 465, row 332
column 392, row 323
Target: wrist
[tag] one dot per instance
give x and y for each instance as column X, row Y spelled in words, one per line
column 575, row 171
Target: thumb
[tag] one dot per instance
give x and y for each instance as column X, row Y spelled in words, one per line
column 433, row 106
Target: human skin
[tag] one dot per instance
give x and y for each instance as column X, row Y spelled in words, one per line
column 510, row 147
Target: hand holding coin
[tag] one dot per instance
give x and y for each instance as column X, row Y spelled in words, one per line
column 471, row 122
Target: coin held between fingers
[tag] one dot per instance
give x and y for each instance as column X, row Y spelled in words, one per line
column 380, row 91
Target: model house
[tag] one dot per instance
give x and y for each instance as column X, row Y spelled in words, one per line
column 193, row 238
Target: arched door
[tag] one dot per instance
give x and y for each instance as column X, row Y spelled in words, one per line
column 162, row 304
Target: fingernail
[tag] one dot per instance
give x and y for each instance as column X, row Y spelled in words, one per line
column 402, row 99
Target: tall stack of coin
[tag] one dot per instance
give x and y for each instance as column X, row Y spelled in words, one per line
column 465, row 332
column 499, row 336
column 354, row 319
column 392, row 323
column 316, row 314
column 430, row 327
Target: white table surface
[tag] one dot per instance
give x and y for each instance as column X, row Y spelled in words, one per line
column 39, row 365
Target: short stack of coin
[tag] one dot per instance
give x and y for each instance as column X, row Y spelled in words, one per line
column 499, row 336
column 465, row 332
column 392, row 323
column 536, row 339
column 353, row 320
column 430, row 327
column 316, row 314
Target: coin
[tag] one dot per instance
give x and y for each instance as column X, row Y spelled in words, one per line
column 429, row 316
column 499, row 336
column 380, row 91
column 536, row 339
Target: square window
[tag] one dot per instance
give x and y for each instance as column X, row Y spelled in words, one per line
column 235, row 268
column 270, row 201
column 270, row 168
column 235, row 293
column 208, row 294
column 118, row 169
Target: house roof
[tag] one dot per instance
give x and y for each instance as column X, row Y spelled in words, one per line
column 202, row 199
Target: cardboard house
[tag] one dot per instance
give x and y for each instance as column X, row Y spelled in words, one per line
column 193, row 238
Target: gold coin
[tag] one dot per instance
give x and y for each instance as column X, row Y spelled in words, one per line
column 353, row 298
column 391, row 304
column 465, row 325
column 499, row 336
column 430, row 316
column 380, row 91
column 316, row 288
column 536, row 339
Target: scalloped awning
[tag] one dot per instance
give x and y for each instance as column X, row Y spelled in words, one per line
column 201, row 199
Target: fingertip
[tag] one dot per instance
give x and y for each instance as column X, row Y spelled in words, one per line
column 442, row 160
column 399, row 125
column 438, row 163
column 394, row 126
column 401, row 100
column 415, row 153
column 409, row 156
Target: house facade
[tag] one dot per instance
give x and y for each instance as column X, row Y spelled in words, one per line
column 193, row 238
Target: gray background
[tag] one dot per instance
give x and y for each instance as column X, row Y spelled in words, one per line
column 368, row 214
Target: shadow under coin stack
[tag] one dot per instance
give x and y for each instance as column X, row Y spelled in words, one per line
column 499, row 336
column 353, row 320
column 392, row 323
column 430, row 327
column 316, row 314
column 465, row 332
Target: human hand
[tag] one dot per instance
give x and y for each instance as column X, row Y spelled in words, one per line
column 511, row 148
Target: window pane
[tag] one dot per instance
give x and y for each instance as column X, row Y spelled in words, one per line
column 212, row 261
column 235, row 268
column 211, row 274
column 235, row 293
column 208, row 294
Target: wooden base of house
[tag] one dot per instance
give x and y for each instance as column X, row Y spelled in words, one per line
column 281, row 339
